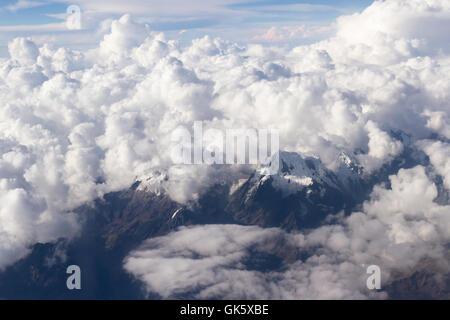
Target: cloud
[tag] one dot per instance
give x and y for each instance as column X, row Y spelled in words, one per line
column 41, row 27
column 406, row 26
column 171, row 7
column 271, row 35
column 183, row 263
column 287, row 33
column 439, row 153
column 75, row 125
column 23, row 51
column 24, row 4
column 382, row 148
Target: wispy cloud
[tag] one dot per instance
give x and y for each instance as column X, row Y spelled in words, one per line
column 287, row 33
column 238, row 20
column 24, row 4
column 35, row 28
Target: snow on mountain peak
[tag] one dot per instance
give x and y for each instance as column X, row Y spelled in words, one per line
column 152, row 182
column 297, row 173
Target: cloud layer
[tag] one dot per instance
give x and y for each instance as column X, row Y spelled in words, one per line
column 75, row 125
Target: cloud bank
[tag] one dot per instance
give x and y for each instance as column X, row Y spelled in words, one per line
column 75, row 125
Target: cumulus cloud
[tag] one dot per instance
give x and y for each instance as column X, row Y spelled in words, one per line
column 382, row 147
column 75, row 125
column 23, row 51
column 184, row 263
column 439, row 153
column 406, row 25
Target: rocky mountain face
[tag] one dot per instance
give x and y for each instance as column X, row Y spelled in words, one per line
column 300, row 196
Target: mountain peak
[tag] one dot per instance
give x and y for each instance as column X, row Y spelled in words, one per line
column 297, row 173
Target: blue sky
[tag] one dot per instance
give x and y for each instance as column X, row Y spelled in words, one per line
column 285, row 21
column 9, row 15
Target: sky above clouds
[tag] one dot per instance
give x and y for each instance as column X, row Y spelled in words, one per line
column 76, row 124
column 265, row 21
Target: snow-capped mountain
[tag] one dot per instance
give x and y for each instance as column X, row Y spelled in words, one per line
column 300, row 195
column 297, row 173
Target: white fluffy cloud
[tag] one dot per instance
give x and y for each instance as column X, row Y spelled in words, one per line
column 439, row 153
column 184, row 262
column 391, row 30
column 74, row 125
